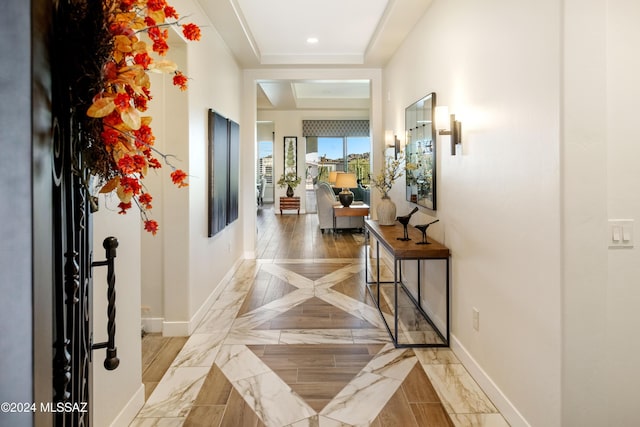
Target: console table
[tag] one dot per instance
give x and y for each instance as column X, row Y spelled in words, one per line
column 387, row 236
column 292, row 203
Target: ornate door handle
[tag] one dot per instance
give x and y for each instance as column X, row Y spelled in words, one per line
column 111, row 361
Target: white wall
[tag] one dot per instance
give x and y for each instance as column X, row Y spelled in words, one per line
column 584, row 193
column 179, row 275
column 623, row 201
column 109, row 406
column 601, row 181
column 216, row 83
column 498, row 202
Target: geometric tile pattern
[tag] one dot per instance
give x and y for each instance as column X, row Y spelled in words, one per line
column 281, row 347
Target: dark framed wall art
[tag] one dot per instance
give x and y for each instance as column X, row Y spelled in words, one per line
column 223, row 172
column 234, row 171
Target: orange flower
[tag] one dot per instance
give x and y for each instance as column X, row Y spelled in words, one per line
column 124, row 95
column 149, row 21
column 142, row 59
column 154, row 163
column 140, row 162
column 160, row 46
column 144, row 136
column 140, row 102
column 122, row 101
column 112, row 120
column 151, row 226
column 126, row 165
column 156, row 5
column 123, row 207
column 110, row 136
column 178, row 176
column 126, row 4
column 180, row 80
column 153, row 31
column 170, row 12
column 191, row 31
column 130, row 185
column 145, row 199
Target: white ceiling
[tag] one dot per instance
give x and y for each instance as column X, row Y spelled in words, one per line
column 350, row 33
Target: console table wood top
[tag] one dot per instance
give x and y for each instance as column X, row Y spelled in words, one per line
column 388, row 236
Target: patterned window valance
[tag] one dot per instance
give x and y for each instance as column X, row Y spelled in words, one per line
column 335, row 128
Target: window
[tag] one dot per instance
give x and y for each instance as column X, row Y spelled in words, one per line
column 342, row 154
column 265, row 161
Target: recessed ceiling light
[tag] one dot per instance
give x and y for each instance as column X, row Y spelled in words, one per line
column 312, row 40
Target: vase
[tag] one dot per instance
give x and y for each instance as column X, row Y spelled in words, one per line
column 289, row 191
column 386, row 211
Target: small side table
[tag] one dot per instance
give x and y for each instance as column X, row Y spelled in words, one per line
column 290, row 203
column 353, row 210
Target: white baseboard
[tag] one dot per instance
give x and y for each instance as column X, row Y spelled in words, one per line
column 152, row 324
column 131, row 409
column 186, row 328
column 504, row 405
column 175, row 329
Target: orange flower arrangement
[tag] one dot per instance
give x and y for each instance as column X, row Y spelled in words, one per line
column 125, row 90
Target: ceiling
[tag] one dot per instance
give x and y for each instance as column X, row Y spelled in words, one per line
column 349, row 33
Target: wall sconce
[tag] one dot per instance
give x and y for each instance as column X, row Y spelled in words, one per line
column 448, row 125
column 392, row 141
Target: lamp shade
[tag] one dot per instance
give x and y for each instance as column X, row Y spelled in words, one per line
column 346, row 180
column 443, row 121
column 332, row 176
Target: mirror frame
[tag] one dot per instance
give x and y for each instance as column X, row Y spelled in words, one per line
column 420, row 152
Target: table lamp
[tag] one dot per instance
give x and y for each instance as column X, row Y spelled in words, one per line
column 346, row 181
column 332, row 177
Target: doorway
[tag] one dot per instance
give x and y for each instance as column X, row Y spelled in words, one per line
column 264, row 164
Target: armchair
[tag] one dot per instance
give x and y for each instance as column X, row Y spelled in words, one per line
column 326, row 198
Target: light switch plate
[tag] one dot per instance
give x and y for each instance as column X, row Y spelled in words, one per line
column 620, row 233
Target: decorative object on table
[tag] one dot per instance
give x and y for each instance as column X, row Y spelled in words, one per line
column 290, row 155
column 121, row 141
column 346, row 181
column 386, row 209
column 423, row 229
column 289, row 180
column 404, row 220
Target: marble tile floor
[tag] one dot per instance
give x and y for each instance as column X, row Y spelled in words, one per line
column 294, row 342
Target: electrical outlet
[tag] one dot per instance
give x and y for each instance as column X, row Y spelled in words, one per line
column 476, row 319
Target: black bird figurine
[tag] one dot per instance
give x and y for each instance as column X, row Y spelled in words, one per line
column 423, row 228
column 404, row 220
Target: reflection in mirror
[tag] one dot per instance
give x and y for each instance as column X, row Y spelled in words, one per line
column 420, row 152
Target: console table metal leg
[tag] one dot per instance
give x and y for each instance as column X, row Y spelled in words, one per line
column 378, row 269
column 419, row 287
column 366, row 260
column 395, row 301
column 447, row 310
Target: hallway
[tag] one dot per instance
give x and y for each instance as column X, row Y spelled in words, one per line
column 294, row 340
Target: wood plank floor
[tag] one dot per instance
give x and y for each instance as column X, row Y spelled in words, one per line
column 292, row 353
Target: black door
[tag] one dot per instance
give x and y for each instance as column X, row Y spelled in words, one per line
column 71, row 218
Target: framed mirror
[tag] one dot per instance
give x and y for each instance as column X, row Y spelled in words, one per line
column 420, row 152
